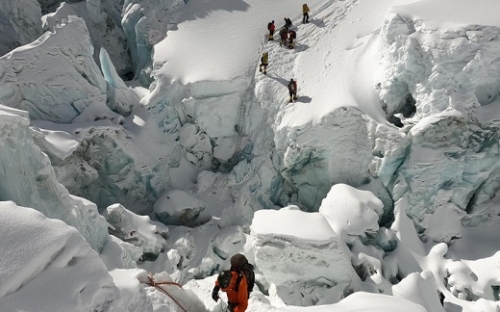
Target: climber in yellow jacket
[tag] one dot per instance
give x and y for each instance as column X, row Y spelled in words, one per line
column 305, row 13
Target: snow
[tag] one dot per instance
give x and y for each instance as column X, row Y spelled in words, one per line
column 104, row 31
column 236, row 29
column 301, row 255
column 351, row 212
column 48, row 262
column 53, row 78
column 387, row 165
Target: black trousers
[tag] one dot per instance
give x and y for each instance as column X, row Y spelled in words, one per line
column 305, row 18
column 232, row 306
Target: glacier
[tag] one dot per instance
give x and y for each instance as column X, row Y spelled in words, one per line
column 308, row 264
column 20, row 24
column 40, row 85
column 104, row 28
column 387, row 166
column 28, row 179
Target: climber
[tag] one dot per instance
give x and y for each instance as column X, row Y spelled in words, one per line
column 305, row 13
column 239, row 263
column 271, row 27
column 288, row 22
column 237, row 294
column 292, row 35
column 263, row 63
column 292, row 89
column 283, row 36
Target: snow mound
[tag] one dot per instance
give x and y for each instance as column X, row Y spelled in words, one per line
column 351, row 212
column 47, row 262
column 301, row 255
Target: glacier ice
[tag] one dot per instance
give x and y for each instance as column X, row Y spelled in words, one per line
column 136, row 230
column 313, row 167
column 450, row 76
column 119, row 97
column 20, row 23
column 28, row 178
column 54, row 78
column 104, row 31
column 301, row 254
column 144, row 24
column 111, row 162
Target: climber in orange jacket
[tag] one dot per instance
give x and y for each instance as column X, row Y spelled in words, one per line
column 234, row 284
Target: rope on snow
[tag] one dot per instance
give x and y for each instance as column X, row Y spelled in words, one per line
column 157, row 285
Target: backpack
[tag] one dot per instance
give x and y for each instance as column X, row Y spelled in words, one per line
column 269, row 25
column 239, row 263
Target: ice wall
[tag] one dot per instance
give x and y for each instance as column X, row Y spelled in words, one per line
column 54, row 78
column 442, row 81
column 301, row 255
column 20, row 23
column 315, row 157
column 145, row 24
column 27, row 177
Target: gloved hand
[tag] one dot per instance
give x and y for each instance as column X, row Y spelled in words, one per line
column 215, row 293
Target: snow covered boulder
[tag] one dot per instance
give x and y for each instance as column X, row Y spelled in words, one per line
column 351, row 212
column 49, row 266
column 38, row 187
column 20, row 23
column 136, row 230
column 178, row 207
column 302, row 256
column 54, row 78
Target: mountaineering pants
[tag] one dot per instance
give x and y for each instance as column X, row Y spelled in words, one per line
column 305, row 18
column 271, row 34
column 232, row 306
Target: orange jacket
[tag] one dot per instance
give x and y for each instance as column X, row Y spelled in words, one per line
column 241, row 297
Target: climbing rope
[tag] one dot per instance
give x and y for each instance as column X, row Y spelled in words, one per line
column 157, row 285
column 224, row 309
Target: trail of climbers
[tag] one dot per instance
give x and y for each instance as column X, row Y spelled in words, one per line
column 282, row 66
